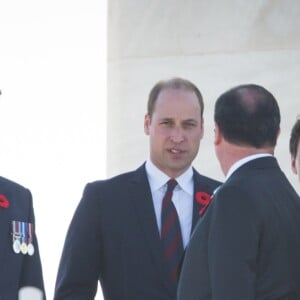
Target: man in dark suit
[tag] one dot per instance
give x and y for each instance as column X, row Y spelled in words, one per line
column 248, row 243
column 20, row 263
column 115, row 234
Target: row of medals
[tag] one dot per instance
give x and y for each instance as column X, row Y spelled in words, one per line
column 22, row 247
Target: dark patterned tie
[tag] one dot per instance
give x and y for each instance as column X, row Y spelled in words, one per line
column 171, row 234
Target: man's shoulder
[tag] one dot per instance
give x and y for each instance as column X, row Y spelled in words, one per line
column 205, row 184
column 206, row 179
column 15, row 192
column 119, row 180
column 10, row 184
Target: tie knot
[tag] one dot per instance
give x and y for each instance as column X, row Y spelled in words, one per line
column 171, row 185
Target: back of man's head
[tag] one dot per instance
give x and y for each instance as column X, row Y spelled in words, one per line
column 248, row 115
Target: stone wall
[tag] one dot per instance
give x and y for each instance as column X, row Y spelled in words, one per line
column 216, row 44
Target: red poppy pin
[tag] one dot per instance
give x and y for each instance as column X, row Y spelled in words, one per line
column 4, row 201
column 203, row 199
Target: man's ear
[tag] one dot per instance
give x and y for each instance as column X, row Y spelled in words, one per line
column 147, row 122
column 202, row 128
column 218, row 135
column 278, row 134
column 293, row 163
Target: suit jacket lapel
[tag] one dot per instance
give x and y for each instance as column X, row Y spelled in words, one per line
column 201, row 184
column 196, row 206
column 143, row 203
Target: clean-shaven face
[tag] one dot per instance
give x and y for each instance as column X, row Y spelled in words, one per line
column 175, row 130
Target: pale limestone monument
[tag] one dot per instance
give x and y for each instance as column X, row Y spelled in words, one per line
column 217, row 45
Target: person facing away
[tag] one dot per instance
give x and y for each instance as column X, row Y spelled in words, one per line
column 20, row 262
column 115, row 234
column 295, row 147
column 247, row 244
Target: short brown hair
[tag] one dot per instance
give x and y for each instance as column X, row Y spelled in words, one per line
column 176, row 84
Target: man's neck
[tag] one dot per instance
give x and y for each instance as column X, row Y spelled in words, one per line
column 231, row 154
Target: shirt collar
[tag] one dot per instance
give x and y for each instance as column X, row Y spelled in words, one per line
column 158, row 179
column 244, row 160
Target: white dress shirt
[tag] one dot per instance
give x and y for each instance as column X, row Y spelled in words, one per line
column 182, row 198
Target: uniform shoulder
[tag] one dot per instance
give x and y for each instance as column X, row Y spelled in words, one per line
column 8, row 183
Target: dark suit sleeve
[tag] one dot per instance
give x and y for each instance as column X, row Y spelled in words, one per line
column 31, row 273
column 78, row 272
column 233, row 246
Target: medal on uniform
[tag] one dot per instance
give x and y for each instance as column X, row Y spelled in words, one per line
column 16, row 236
column 17, row 246
column 24, row 238
column 24, row 248
column 30, row 248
